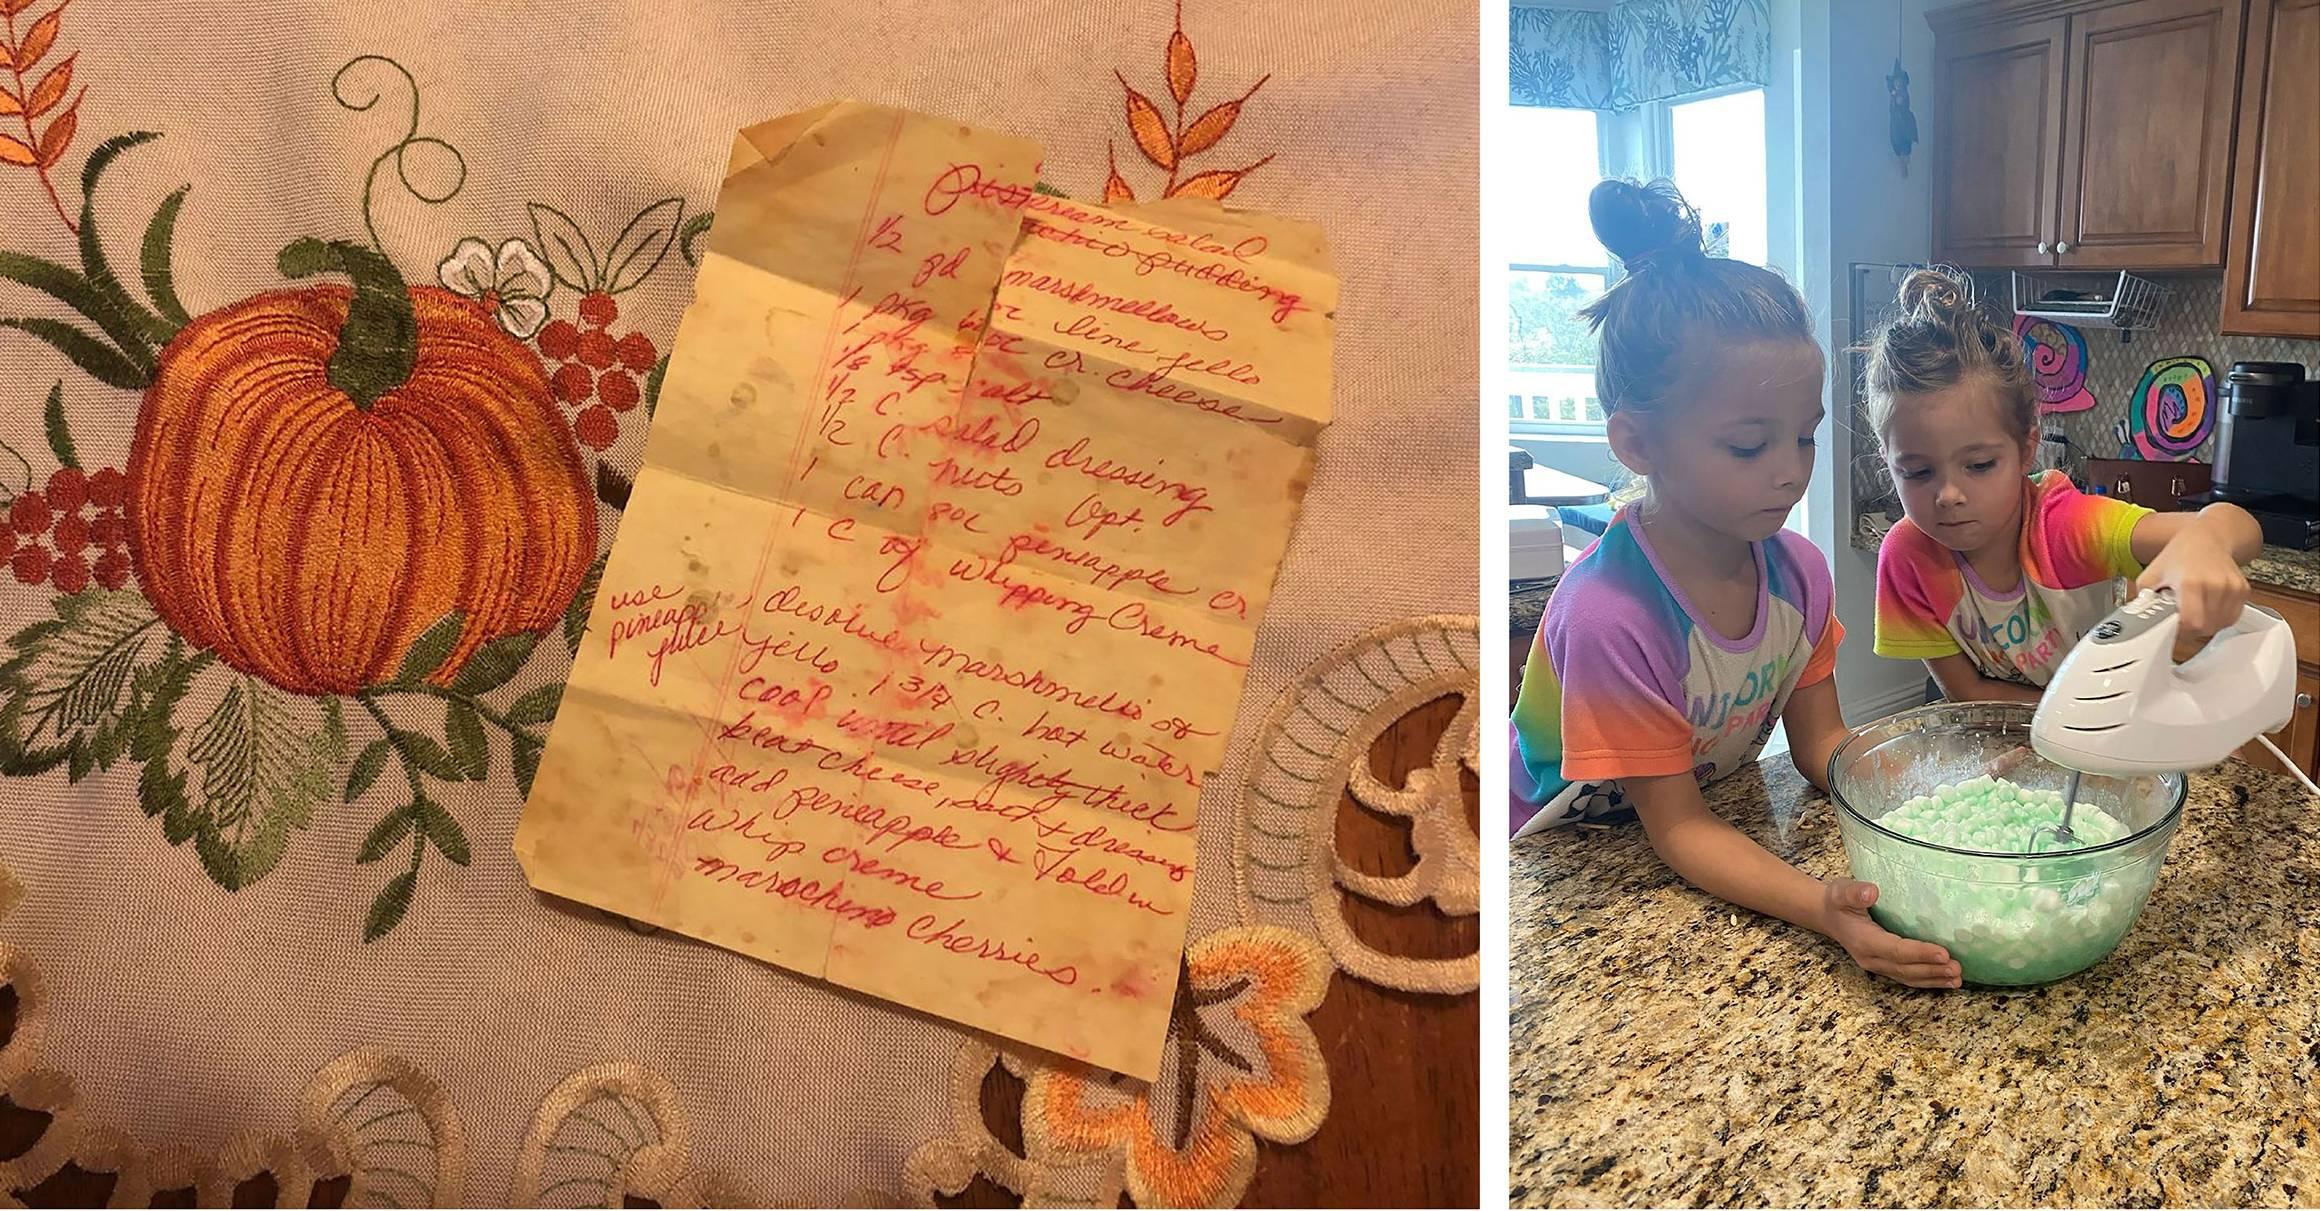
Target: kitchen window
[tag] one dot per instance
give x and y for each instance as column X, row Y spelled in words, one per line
column 1716, row 156
column 1712, row 147
column 1548, row 381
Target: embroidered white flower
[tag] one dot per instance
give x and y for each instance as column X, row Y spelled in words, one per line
column 514, row 284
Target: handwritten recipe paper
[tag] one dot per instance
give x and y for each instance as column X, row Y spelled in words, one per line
column 933, row 600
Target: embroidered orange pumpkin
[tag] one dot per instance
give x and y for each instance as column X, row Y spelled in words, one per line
column 320, row 474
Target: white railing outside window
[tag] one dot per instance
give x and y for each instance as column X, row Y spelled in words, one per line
column 1549, row 379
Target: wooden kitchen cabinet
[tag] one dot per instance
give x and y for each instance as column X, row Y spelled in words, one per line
column 2146, row 134
column 2271, row 277
column 2094, row 134
column 1997, row 139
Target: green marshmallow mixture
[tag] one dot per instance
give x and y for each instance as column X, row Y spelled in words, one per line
column 2006, row 920
column 1996, row 816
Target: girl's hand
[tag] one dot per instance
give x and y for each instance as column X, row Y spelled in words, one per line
column 2208, row 584
column 2007, row 762
column 1845, row 918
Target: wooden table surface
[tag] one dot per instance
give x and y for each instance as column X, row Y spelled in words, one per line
column 1405, row 1092
column 1404, row 1069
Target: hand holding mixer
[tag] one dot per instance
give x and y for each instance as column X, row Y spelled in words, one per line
column 2119, row 704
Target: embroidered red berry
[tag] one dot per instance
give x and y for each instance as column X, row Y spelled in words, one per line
column 30, row 564
column 637, row 352
column 595, row 427
column 68, row 490
column 598, row 308
column 29, row 513
column 105, row 531
column 70, row 533
column 559, row 341
column 573, row 382
column 7, row 542
column 108, row 488
column 596, row 349
column 113, row 569
column 617, row 388
column 70, row 574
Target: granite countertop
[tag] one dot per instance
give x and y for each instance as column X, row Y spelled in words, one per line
column 2281, row 568
column 1526, row 604
column 1669, row 1050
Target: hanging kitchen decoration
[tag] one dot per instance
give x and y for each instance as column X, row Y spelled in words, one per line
column 2057, row 356
column 2173, row 408
column 1900, row 123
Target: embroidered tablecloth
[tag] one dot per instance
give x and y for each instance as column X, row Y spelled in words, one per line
column 325, row 324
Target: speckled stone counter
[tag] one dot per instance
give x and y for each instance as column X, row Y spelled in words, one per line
column 2281, row 568
column 1668, row 1050
column 1526, row 604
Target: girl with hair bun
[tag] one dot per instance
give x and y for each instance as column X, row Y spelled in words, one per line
column 1696, row 624
column 1998, row 570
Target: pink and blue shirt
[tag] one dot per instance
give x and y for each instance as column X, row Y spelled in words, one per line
column 2076, row 554
column 1626, row 679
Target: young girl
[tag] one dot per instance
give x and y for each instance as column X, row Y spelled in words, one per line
column 1997, row 570
column 1675, row 643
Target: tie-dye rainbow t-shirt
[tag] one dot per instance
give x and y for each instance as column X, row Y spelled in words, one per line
column 1625, row 679
column 2075, row 550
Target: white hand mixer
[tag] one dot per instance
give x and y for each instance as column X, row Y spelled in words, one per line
column 2119, row 704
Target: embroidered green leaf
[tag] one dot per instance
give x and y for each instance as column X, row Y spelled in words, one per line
column 1049, row 190
column 59, row 438
column 161, row 790
column 652, row 385
column 429, row 756
column 379, row 344
column 571, row 258
column 367, row 765
column 612, row 487
column 156, row 695
column 102, row 157
column 92, row 299
column 255, row 768
column 641, row 245
column 71, row 684
column 153, row 260
column 104, row 363
column 431, row 648
column 469, row 750
column 691, row 231
column 526, row 754
column 385, row 835
column 576, row 614
column 387, row 910
column 443, row 830
column 539, row 706
column 139, row 330
column 334, row 725
column 55, row 281
column 495, row 662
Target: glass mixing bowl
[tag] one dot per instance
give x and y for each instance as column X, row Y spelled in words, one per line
column 2006, row 914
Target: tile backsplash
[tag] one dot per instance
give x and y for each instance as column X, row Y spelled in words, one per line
column 2185, row 328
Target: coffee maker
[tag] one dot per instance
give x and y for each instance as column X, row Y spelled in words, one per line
column 2267, row 450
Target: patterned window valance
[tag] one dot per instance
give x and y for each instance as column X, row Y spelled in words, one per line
column 1640, row 51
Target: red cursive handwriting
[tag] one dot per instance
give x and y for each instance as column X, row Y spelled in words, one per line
column 953, row 938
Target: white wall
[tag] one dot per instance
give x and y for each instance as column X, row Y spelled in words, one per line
column 1854, row 204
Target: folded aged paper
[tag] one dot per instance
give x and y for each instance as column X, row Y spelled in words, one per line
column 933, row 599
